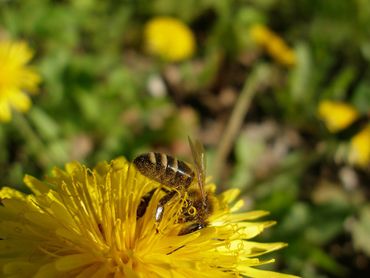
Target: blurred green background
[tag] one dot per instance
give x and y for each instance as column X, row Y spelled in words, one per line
column 104, row 96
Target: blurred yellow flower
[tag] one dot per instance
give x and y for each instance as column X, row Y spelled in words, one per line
column 359, row 152
column 16, row 78
column 84, row 223
column 274, row 45
column 169, row 39
column 337, row 115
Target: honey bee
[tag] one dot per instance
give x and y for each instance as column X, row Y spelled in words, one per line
column 179, row 176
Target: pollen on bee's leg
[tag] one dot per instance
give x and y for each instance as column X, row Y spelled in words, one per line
column 144, row 202
column 192, row 211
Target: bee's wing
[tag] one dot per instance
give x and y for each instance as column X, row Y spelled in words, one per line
column 197, row 151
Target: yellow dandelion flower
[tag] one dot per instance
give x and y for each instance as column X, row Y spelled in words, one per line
column 337, row 115
column 274, row 45
column 359, row 152
column 16, row 78
column 260, row 34
column 279, row 50
column 169, row 38
column 86, row 223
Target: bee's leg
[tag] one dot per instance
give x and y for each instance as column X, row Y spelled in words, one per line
column 141, row 209
column 192, row 228
column 160, row 208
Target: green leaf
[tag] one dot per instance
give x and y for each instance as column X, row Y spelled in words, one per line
column 360, row 229
column 46, row 126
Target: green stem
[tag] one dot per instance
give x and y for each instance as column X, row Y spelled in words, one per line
column 251, row 86
column 34, row 143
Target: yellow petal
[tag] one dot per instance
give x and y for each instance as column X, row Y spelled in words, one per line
column 360, row 148
column 337, row 115
column 19, row 100
column 258, row 273
column 30, row 80
column 250, row 215
column 47, row 271
column 88, row 272
column 36, row 186
column 230, row 195
column 5, row 113
column 70, row 262
column 18, row 269
column 7, row 193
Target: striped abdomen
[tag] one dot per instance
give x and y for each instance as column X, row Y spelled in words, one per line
column 165, row 169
